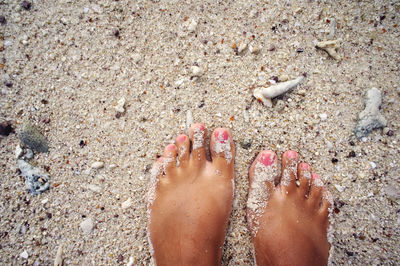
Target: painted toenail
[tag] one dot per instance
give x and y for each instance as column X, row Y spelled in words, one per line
column 221, row 135
column 267, row 158
column 181, row 138
column 171, row 147
column 291, row 154
column 315, row 176
column 305, row 166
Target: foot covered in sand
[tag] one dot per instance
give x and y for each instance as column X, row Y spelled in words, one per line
column 287, row 212
column 190, row 199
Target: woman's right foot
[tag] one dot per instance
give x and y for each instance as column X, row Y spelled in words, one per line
column 287, row 212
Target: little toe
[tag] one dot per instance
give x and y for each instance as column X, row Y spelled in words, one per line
column 169, row 159
column 316, row 190
column 198, row 135
column 327, row 202
column 304, row 178
column 157, row 170
column 289, row 170
column 183, row 145
column 222, row 149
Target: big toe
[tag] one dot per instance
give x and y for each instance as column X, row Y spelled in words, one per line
column 262, row 175
column 222, row 149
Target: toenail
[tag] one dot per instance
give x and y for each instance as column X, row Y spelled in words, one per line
column 291, row 154
column 200, row 127
column 221, row 135
column 267, row 158
column 305, row 166
column 171, row 147
column 181, row 138
column 315, row 176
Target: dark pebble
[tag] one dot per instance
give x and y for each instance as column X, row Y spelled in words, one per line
column 8, row 84
column 349, row 253
column 299, row 50
column 46, row 120
column 5, row 129
column 352, row 143
column 246, row 144
column 49, row 215
column 118, row 115
column 390, row 133
column 3, row 20
column 26, row 5
column 275, row 78
column 82, row 143
column 352, row 154
column 116, row 33
column 120, row 258
column 335, row 160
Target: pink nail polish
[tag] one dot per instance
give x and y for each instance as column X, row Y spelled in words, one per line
column 181, row 138
column 305, row 166
column 315, row 176
column 221, row 135
column 171, row 147
column 291, row 154
column 267, row 158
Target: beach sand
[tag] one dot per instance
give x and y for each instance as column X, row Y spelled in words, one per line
column 66, row 64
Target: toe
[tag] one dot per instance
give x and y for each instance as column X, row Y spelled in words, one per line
column 262, row 175
column 169, row 158
column 327, row 202
column 304, row 176
column 222, row 149
column 183, row 145
column 316, row 190
column 289, row 170
column 157, row 169
column 198, row 135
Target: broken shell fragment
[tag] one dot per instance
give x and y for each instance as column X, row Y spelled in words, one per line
column 370, row 118
column 330, row 47
column 265, row 95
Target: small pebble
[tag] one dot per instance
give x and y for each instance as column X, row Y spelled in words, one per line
column 5, row 128
column 323, row 116
column 242, row 47
column 126, row 204
column 29, row 154
column 18, row 152
column 24, row 255
column 94, row 188
column 3, row 20
column 373, row 165
column 283, row 78
column 246, row 144
column 339, row 188
column 390, row 133
column 120, row 106
column 87, row 225
column 197, row 71
column 97, row 165
column 254, row 49
column 26, row 5
column 192, row 26
column 32, row 138
column 130, row 262
column 352, row 154
column 335, row 160
column 58, row 261
column 136, row 57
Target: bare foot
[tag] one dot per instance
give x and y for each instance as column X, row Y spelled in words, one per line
column 287, row 212
column 190, row 201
